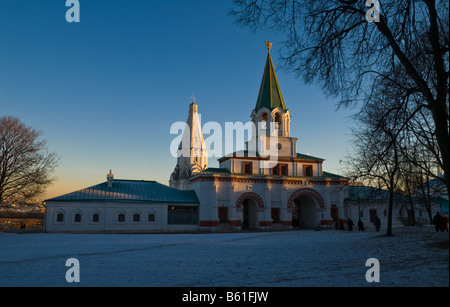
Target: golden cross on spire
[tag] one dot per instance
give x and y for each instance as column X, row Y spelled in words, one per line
column 268, row 45
column 193, row 97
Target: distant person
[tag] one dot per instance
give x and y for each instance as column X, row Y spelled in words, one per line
column 361, row 225
column 444, row 226
column 336, row 224
column 350, row 225
column 341, row 224
column 377, row 223
column 438, row 220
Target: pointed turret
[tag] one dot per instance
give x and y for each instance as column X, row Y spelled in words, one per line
column 192, row 152
column 270, row 96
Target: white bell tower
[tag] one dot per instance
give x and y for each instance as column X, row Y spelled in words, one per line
column 192, row 153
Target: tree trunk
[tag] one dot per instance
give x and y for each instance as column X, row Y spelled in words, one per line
column 439, row 111
column 391, row 205
column 411, row 204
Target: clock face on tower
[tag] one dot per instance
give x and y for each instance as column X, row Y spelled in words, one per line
column 279, row 146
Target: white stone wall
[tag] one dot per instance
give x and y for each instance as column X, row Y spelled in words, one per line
column 223, row 192
column 108, row 217
column 399, row 213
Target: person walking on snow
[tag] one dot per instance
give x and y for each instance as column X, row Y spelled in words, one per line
column 350, row 225
column 361, row 225
column 438, row 221
column 377, row 223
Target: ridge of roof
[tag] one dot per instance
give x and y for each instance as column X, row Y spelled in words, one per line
column 129, row 190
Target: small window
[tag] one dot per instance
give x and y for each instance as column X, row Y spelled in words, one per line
column 95, row 217
column 385, row 212
column 280, row 169
column 308, row 170
column 77, row 218
column 121, row 218
column 136, row 217
column 247, row 167
column 60, row 217
column 284, row 169
column 151, row 217
column 276, row 170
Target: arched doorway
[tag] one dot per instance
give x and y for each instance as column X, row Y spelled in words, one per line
column 249, row 218
column 249, row 204
column 304, row 213
column 305, row 204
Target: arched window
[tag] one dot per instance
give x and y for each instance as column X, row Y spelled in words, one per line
column 60, row 217
column 278, row 120
column 95, row 217
column 136, row 217
column 278, row 124
column 151, row 217
column 264, row 122
column 77, row 218
column 121, row 218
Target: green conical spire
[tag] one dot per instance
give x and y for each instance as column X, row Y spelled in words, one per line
column 270, row 95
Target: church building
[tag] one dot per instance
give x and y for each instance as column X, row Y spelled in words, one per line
column 249, row 190
column 267, row 186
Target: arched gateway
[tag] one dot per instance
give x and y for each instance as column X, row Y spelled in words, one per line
column 250, row 204
column 250, row 195
column 308, row 192
column 304, row 204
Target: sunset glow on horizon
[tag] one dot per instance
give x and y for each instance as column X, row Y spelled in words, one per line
column 105, row 91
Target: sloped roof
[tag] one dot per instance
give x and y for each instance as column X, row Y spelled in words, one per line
column 331, row 175
column 215, row 170
column 246, row 153
column 130, row 191
column 365, row 193
column 270, row 95
column 308, row 157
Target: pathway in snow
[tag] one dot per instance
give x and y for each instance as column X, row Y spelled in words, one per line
column 295, row 259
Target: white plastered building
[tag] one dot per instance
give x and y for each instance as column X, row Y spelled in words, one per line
column 253, row 190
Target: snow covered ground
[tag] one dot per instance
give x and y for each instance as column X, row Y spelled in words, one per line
column 258, row 259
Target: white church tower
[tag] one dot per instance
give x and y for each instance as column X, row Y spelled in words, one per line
column 192, row 153
column 271, row 118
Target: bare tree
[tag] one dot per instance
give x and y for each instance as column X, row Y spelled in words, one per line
column 26, row 164
column 331, row 42
column 376, row 159
column 420, row 162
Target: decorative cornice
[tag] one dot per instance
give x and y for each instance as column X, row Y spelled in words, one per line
column 214, row 178
column 267, row 180
column 279, row 159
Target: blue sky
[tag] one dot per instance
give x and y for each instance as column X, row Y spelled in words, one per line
column 106, row 91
